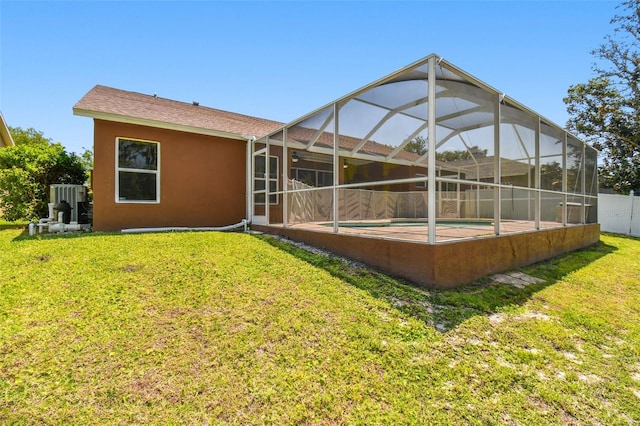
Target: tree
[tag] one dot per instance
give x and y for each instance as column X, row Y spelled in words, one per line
column 606, row 110
column 28, row 168
column 461, row 154
column 418, row 145
column 551, row 176
column 28, row 137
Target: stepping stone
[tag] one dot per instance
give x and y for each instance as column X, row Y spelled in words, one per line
column 516, row 279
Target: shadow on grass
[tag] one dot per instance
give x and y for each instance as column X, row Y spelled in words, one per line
column 441, row 309
column 5, row 226
column 445, row 309
column 24, row 235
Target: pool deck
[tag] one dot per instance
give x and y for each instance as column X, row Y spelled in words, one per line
column 413, row 232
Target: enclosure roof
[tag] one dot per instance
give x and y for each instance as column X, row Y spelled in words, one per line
column 111, row 104
column 417, row 71
column 383, row 118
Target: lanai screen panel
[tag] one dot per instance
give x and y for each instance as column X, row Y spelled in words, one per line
column 575, row 166
column 404, row 102
column 518, row 130
column 591, row 184
column 552, row 164
column 465, row 139
column 379, row 127
column 365, row 157
column 383, row 131
column 314, row 133
column 310, row 173
column 465, row 114
column 575, row 181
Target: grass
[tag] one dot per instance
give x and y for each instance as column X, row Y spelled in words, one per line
column 20, row 224
column 212, row 328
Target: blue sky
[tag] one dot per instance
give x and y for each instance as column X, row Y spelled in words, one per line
column 280, row 60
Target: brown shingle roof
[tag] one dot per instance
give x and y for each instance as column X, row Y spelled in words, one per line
column 122, row 104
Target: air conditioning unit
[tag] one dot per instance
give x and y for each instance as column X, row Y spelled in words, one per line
column 76, row 196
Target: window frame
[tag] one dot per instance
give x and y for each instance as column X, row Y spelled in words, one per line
column 316, row 175
column 119, row 169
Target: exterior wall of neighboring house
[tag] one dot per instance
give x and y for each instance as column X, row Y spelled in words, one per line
column 5, row 138
column 202, row 180
column 384, row 171
column 5, row 135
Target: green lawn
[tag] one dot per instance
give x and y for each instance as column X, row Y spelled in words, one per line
column 216, row 328
column 13, row 225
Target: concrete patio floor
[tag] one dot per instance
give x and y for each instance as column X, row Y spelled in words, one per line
column 418, row 232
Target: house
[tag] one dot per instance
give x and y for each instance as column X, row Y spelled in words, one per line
column 505, row 188
column 182, row 164
column 159, row 162
column 5, row 135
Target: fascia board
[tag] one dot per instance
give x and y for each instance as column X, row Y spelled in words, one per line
column 157, row 124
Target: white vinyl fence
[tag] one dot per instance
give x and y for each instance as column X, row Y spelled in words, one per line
column 619, row 214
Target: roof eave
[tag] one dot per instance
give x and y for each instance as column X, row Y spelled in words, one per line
column 98, row 115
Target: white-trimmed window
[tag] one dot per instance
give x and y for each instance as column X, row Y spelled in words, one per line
column 260, row 180
column 137, row 171
column 422, row 183
column 312, row 177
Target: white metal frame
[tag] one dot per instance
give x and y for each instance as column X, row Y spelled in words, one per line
column 258, row 219
column 267, row 191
